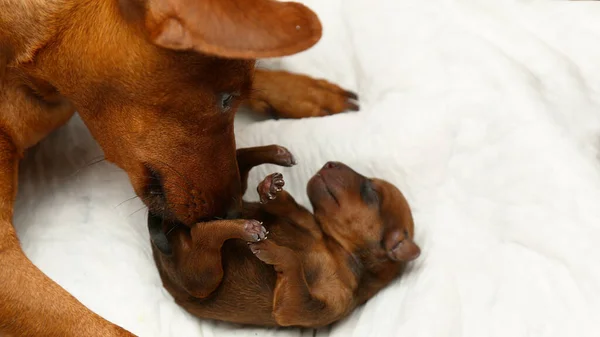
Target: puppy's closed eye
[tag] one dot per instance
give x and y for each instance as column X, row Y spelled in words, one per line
column 368, row 193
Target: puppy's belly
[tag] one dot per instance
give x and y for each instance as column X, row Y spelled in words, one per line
column 245, row 295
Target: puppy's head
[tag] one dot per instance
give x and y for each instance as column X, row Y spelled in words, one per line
column 369, row 218
column 158, row 83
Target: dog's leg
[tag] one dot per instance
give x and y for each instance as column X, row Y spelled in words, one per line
column 280, row 94
column 250, row 157
column 31, row 304
column 198, row 258
column 294, row 302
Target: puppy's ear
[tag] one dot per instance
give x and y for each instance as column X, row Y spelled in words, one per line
column 247, row 29
column 400, row 247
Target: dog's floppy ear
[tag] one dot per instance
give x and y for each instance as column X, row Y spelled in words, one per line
column 247, row 29
column 400, row 247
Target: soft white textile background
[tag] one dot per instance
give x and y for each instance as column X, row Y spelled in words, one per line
column 485, row 113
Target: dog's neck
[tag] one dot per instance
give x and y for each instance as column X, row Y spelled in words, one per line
column 26, row 27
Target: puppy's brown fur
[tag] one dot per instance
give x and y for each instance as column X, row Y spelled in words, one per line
column 157, row 83
column 312, row 270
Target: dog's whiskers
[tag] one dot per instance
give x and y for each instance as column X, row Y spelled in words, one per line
column 95, row 161
column 138, row 210
column 126, row 200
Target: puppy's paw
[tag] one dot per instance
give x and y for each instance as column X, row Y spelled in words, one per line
column 283, row 156
column 269, row 187
column 265, row 251
column 281, row 258
column 254, row 231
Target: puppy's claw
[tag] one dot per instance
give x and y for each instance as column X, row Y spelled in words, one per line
column 254, row 231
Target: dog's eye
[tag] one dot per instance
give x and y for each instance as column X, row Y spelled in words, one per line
column 227, row 100
column 368, row 193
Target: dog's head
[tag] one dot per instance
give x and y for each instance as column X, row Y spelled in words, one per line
column 369, row 218
column 157, row 82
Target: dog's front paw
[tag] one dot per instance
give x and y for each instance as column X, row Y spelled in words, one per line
column 329, row 99
column 270, row 186
column 254, row 231
column 285, row 95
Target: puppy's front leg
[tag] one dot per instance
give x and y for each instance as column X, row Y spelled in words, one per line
column 285, row 95
column 250, row 157
column 275, row 200
column 198, row 256
column 31, row 304
column 294, row 304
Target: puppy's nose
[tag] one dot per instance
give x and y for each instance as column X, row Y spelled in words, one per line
column 331, row 165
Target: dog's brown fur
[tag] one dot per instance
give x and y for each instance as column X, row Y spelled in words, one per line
column 312, row 270
column 157, row 83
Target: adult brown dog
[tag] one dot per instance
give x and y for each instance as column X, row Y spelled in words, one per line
column 157, row 82
column 312, row 270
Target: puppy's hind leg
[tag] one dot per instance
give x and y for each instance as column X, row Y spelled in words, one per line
column 293, row 303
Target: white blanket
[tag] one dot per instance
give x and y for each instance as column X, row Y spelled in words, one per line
column 486, row 114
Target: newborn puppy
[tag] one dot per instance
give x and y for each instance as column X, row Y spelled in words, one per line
column 312, row 270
